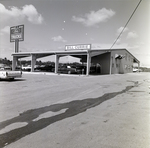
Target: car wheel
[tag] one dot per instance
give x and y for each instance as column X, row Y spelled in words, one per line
column 11, row 79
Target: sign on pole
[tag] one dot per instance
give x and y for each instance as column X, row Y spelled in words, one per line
column 78, row 47
column 17, row 33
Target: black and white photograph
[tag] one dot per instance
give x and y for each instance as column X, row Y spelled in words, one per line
column 74, row 73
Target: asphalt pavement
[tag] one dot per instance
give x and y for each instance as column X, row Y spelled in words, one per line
column 75, row 111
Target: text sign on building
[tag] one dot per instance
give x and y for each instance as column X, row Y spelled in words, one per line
column 78, row 47
column 17, row 33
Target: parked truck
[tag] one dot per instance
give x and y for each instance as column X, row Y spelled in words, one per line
column 9, row 74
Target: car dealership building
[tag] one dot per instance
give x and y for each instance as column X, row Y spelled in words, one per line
column 111, row 61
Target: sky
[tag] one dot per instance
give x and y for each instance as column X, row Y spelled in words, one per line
column 49, row 25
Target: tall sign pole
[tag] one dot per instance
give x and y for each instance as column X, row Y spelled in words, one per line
column 16, row 46
column 16, row 35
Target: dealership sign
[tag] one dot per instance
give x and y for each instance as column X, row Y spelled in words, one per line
column 78, row 47
column 17, row 33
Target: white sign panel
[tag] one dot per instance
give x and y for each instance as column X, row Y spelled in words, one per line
column 78, row 47
column 17, row 33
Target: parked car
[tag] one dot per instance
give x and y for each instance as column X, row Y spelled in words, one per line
column 26, row 68
column 81, row 69
column 67, row 69
column 137, row 70
column 45, row 68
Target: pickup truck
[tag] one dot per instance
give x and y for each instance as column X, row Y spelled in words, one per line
column 11, row 75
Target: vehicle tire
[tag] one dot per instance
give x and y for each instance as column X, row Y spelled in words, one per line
column 11, row 79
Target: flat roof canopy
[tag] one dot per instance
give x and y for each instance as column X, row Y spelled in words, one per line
column 49, row 53
column 75, row 53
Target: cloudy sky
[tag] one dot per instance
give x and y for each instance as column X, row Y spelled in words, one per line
column 52, row 24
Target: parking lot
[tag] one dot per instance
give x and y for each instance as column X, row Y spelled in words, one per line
column 75, row 111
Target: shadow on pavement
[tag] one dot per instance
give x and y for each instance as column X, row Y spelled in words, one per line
column 11, row 80
column 72, row 108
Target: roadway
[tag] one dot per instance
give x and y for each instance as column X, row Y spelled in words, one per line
column 67, row 111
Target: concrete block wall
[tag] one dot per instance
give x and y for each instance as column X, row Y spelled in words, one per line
column 123, row 65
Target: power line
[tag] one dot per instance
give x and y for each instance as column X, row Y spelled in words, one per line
column 125, row 25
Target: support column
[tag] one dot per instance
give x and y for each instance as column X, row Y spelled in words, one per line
column 139, row 66
column 33, row 62
column 111, row 58
column 56, row 63
column 88, row 64
column 14, row 63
